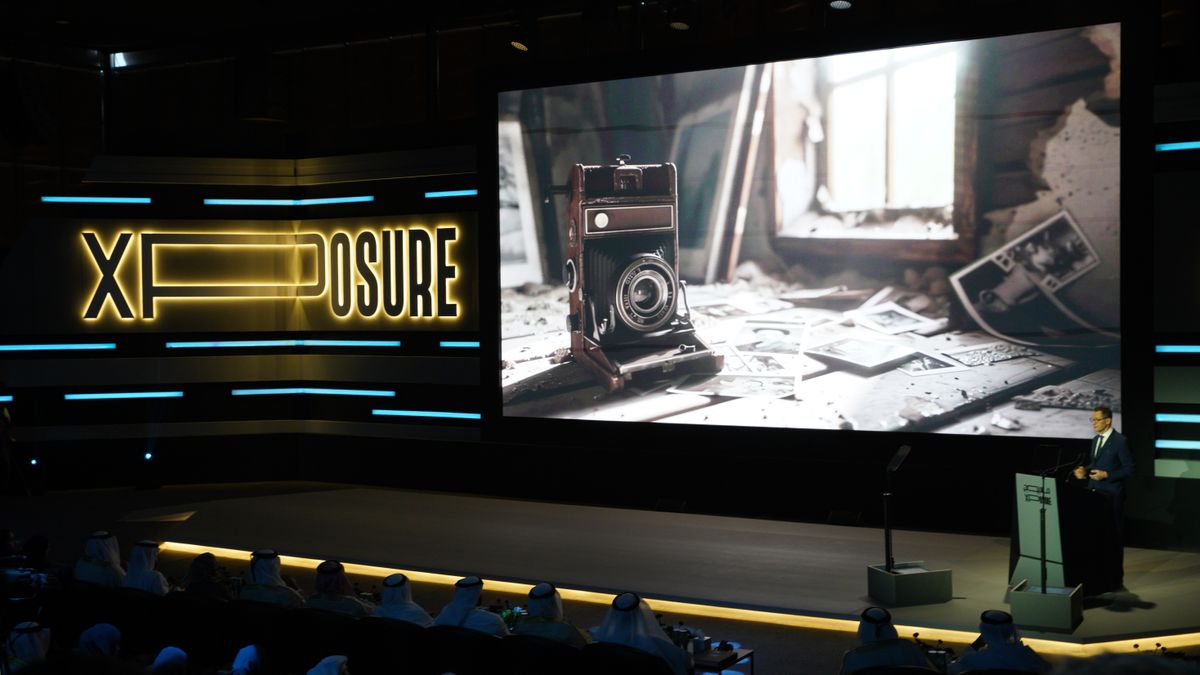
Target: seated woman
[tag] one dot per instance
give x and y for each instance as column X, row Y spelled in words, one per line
column 205, row 578
column 334, row 592
column 462, row 609
column 880, row 645
column 266, row 582
column 631, row 622
column 101, row 561
column 545, row 618
column 398, row 603
column 141, row 574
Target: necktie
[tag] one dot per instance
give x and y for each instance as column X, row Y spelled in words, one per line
column 1099, row 444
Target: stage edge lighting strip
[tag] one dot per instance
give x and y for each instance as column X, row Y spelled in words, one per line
column 426, row 413
column 237, row 344
column 1177, row 349
column 317, row 391
column 115, row 395
column 1185, row 145
column 1176, row 641
column 1177, row 445
column 459, row 343
column 62, row 199
column 450, row 193
column 1173, row 417
column 78, row 346
column 5, row 399
column 290, row 202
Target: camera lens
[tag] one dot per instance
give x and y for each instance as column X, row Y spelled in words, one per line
column 645, row 293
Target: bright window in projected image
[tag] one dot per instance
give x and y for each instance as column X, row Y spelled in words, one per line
column 917, row 239
column 889, row 111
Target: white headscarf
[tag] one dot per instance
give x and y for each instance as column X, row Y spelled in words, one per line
column 467, row 592
column 102, row 639
column 102, row 548
column 398, row 603
column 246, row 662
column 330, row 665
column 170, row 658
column 631, row 622
column 545, row 602
column 141, row 574
column 265, row 569
column 29, row 642
column 875, row 625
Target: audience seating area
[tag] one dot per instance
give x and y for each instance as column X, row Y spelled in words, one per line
column 293, row 640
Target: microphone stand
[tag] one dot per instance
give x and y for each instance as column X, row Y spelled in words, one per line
column 892, row 467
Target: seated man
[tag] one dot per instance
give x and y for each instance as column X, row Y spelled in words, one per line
column 545, row 618
column 205, row 578
column 101, row 561
column 631, row 622
column 880, row 645
column 102, row 640
column 28, row 643
column 462, row 610
column 141, row 574
column 266, row 582
column 334, row 593
column 398, row 603
column 1002, row 648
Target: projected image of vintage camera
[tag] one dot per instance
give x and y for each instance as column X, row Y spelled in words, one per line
column 628, row 311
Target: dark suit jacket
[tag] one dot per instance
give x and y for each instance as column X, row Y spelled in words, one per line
column 1114, row 458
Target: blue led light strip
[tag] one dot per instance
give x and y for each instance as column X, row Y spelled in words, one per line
column 1186, row 145
column 58, row 347
column 5, row 399
column 1172, row 417
column 317, row 391
column 1177, row 445
column 451, row 193
column 290, row 202
column 60, row 199
column 223, row 344
column 426, row 413
column 460, row 343
column 107, row 396
column 1177, row 349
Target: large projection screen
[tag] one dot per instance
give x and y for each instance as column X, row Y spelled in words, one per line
column 922, row 238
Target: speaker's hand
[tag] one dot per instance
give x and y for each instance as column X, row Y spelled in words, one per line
column 1098, row 474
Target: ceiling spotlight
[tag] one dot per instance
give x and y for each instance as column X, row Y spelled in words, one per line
column 840, row 4
column 679, row 25
column 519, row 45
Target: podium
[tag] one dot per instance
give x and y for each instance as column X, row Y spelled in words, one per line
column 1078, row 545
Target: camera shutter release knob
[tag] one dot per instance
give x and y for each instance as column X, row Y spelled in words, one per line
column 601, row 220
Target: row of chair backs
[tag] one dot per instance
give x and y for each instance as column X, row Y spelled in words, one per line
column 293, row 640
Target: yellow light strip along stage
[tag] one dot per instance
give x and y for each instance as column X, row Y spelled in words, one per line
column 1177, row 641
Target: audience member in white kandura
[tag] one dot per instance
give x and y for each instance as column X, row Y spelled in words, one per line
column 102, row 641
column 545, row 618
column 631, row 622
column 1002, row 648
column 28, row 643
column 462, row 609
column 101, row 561
column 141, row 573
column 879, row 645
column 330, row 665
column 170, row 661
column 335, row 593
column 266, row 582
column 398, row 603
column 246, row 662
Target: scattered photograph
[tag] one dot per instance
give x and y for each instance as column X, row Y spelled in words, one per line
column 1054, row 253
column 929, row 363
column 890, row 318
column 862, row 354
column 770, row 337
column 991, row 352
column 766, row 364
column 739, row 386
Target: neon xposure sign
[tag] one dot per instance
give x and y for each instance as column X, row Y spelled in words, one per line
column 400, row 272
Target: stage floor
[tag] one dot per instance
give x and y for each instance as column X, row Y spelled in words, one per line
column 799, row 569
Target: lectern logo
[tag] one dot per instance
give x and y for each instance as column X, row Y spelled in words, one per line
column 387, row 273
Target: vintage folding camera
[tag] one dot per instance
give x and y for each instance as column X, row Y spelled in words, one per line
column 628, row 309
